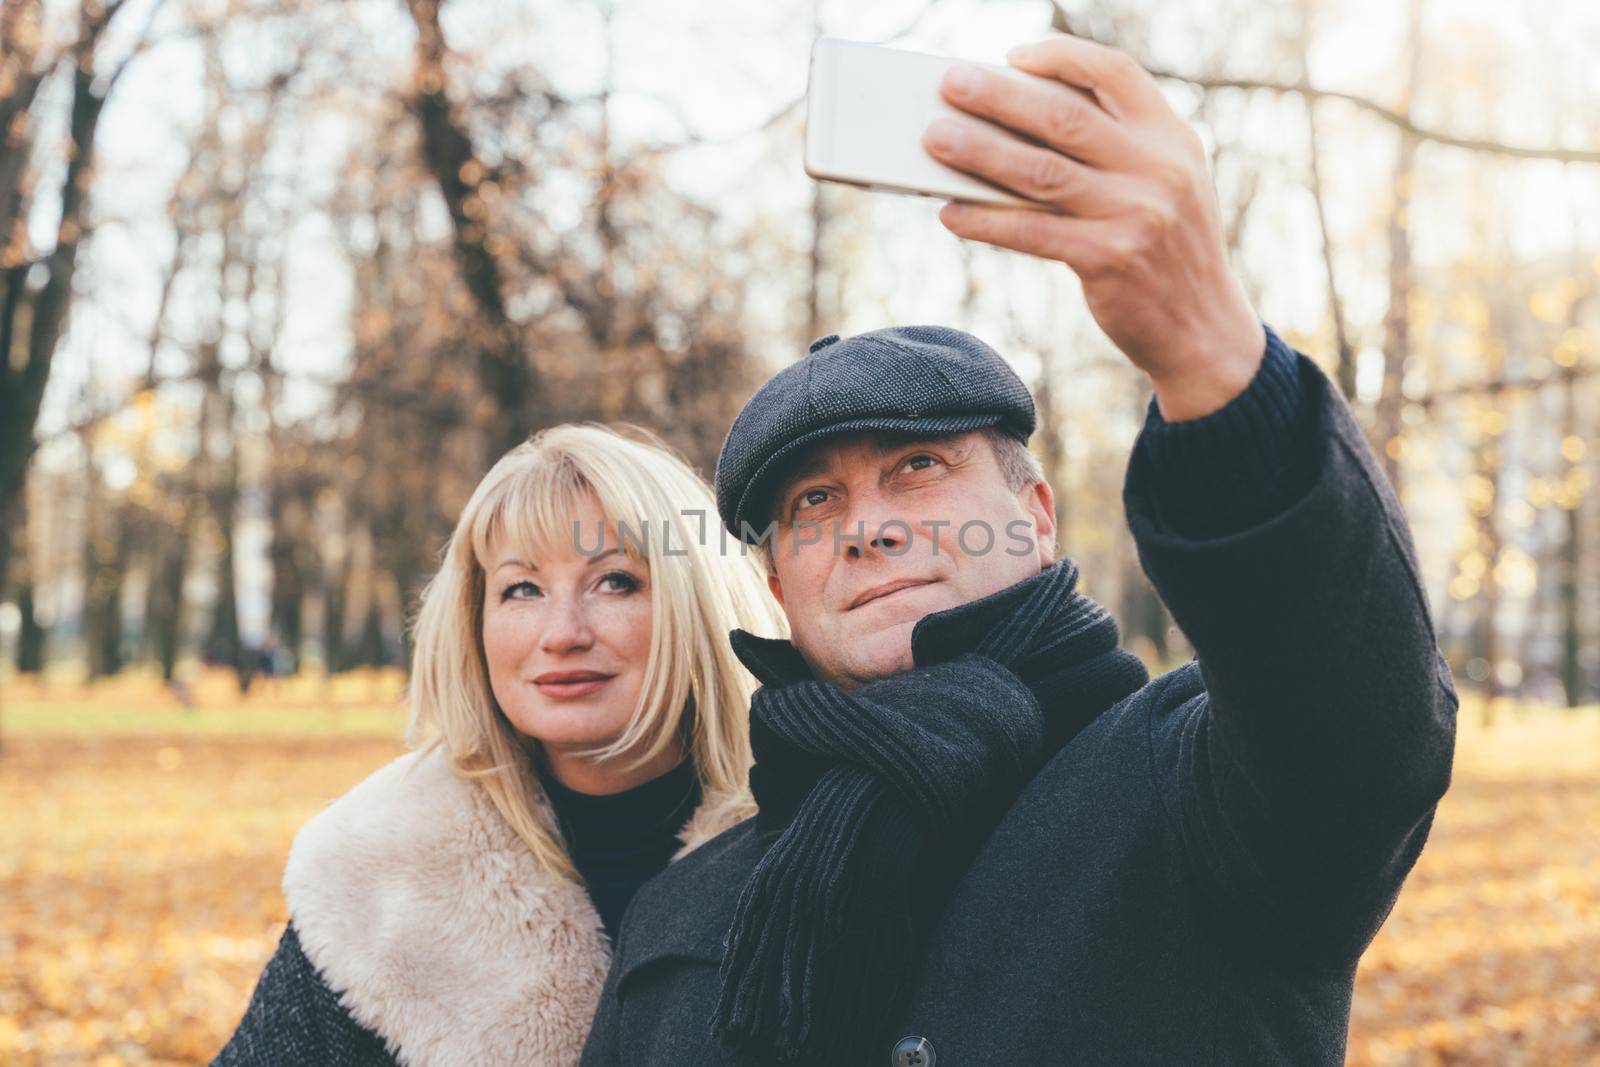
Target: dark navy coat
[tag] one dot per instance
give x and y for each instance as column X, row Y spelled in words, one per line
column 1194, row 876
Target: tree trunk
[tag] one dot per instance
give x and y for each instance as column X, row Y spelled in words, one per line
column 507, row 376
column 1397, row 320
column 335, row 602
column 225, row 642
column 164, row 603
column 372, row 651
column 105, row 554
column 31, row 638
column 288, row 594
column 30, row 635
column 1489, row 465
column 1345, row 373
column 1572, row 681
column 24, row 373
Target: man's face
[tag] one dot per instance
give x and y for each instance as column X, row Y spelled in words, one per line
column 921, row 525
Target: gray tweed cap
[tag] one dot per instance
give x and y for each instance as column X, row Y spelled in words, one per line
column 928, row 380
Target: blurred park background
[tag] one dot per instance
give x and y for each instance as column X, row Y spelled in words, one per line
column 279, row 279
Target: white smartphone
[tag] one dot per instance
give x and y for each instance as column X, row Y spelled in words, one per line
column 867, row 106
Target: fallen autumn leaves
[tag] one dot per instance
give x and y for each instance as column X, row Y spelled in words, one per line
column 140, row 879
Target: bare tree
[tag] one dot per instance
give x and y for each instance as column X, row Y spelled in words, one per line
column 507, row 376
column 36, row 289
column 1345, row 372
column 1397, row 319
column 1573, row 539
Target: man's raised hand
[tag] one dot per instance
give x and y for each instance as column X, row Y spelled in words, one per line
column 1135, row 211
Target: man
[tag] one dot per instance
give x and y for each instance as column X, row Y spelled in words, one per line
column 985, row 837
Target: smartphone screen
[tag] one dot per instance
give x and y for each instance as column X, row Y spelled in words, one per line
column 867, row 107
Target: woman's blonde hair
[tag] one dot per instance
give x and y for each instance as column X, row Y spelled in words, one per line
column 695, row 691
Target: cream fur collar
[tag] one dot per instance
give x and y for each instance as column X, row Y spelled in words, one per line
column 438, row 930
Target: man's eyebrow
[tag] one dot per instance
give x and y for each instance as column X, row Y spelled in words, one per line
column 881, row 443
column 893, row 442
column 804, row 468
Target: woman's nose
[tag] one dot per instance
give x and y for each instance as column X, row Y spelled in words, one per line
column 565, row 626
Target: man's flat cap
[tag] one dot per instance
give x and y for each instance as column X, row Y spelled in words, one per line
column 922, row 380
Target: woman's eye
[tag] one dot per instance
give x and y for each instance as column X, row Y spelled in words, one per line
column 620, row 581
column 519, row 591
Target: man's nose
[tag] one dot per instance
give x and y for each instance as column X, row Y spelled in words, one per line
column 872, row 526
column 564, row 626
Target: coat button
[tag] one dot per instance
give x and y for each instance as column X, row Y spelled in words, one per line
column 913, row 1051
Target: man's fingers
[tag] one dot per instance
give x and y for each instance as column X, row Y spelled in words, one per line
column 1081, row 244
column 1123, row 87
column 1039, row 174
column 1053, row 114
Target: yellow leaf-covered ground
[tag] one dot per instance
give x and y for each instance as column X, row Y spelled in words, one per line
column 139, row 873
column 140, row 878
column 1492, row 955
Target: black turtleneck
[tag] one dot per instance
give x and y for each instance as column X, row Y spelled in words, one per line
column 620, row 840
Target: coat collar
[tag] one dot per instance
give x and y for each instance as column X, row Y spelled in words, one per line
column 437, row 928
column 773, row 660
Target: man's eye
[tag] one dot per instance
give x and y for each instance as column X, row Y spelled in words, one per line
column 810, row 497
column 519, row 591
column 623, row 582
column 921, row 461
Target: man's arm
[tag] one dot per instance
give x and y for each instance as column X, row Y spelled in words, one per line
column 1303, row 778
column 1304, row 772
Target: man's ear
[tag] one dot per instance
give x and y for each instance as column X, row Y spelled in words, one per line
column 1039, row 500
column 774, row 584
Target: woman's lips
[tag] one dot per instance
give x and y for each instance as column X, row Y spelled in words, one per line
column 578, row 687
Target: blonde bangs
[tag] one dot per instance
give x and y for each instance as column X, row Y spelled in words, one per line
column 531, row 510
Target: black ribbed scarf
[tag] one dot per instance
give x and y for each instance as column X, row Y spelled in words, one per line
column 874, row 799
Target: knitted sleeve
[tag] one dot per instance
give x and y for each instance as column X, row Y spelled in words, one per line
column 1234, row 467
column 294, row 1019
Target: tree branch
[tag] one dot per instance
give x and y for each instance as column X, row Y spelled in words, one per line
column 1389, row 115
column 1311, row 93
column 1500, row 386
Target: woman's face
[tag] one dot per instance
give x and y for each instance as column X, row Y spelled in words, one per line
column 566, row 639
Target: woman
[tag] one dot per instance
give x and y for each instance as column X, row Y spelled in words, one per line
column 578, row 719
